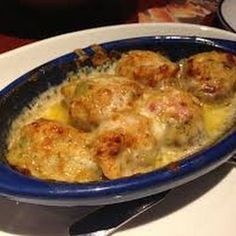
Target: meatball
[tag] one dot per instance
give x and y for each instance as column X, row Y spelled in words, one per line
column 125, row 145
column 147, row 67
column 50, row 150
column 177, row 116
column 210, row 76
column 96, row 99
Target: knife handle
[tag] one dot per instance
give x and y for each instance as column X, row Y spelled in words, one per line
column 110, row 218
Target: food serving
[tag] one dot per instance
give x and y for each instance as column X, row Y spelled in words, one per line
column 125, row 117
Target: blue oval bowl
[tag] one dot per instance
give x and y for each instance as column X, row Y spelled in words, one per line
column 20, row 93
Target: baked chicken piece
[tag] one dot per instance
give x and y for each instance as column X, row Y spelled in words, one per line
column 210, row 76
column 53, row 151
column 95, row 99
column 176, row 114
column 125, row 145
column 147, row 67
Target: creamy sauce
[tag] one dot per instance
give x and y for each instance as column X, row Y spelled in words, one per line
column 217, row 119
column 50, row 105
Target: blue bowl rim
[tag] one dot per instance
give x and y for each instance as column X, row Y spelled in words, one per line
column 13, row 183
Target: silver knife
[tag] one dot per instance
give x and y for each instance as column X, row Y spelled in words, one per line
column 109, row 219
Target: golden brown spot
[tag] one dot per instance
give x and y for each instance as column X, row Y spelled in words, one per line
column 110, row 145
column 230, row 59
column 174, row 167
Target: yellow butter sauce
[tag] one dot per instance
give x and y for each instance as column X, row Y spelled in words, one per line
column 57, row 112
column 217, row 118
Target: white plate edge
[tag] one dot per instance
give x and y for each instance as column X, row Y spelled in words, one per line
column 30, row 56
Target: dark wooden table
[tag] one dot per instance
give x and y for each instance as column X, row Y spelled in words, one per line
column 22, row 23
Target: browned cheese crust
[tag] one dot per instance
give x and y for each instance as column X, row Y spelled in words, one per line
column 177, row 116
column 125, row 145
column 53, row 151
column 210, row 76
column 147, row 67
column 93, row 100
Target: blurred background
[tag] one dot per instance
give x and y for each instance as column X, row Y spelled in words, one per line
column 43, row 18
column 25, row 21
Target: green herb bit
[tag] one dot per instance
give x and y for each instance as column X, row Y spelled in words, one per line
column 81, row 88
column 22, row 142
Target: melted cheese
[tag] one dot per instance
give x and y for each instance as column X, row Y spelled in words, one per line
column 217, row 118
column 57, row 112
